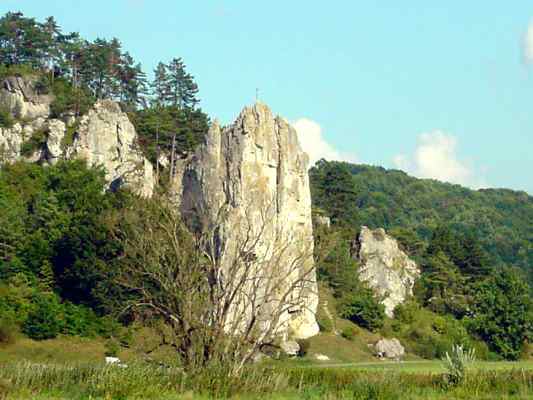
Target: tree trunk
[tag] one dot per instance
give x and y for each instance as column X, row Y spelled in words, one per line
column 157, row 152
column 172, row 157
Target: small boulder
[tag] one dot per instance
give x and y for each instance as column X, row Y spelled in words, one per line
column 112, row 360
column 290, row 347
column 115, row 361
column 389, row 348
column 321, row 357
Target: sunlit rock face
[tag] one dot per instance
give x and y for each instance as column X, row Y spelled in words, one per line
column 104, row 136
column 20, row 97
column 250, row 181
column 385, row 267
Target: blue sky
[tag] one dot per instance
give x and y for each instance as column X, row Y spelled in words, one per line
column 440, row 90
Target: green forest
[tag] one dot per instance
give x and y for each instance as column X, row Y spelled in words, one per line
column 78, row 72
column 475, row 247
column 62, row 246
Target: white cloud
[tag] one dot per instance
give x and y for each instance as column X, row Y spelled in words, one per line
column 315, row 145
column 527, row 50
column 435, row 157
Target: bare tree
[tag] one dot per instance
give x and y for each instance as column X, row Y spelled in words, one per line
column 222, row 301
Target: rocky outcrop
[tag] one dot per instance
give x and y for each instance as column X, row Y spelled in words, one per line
column 250, row 181
column 290, row 347
column 385, row 267
column 104, row 136
column 20, row 97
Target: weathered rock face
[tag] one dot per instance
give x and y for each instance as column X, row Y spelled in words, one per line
column 385, row 267
column 19, row 96
column 104, row 136
column 250, row 180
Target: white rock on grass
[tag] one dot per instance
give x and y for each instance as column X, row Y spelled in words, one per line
column 389, row 348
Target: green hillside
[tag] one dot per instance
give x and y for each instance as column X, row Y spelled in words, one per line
column 354, row 195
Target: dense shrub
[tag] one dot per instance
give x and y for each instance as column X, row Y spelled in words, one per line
column 68, row 99
column 6, row 120
column 362, row 308
column 502, row 313
column 349, row 333
column 34, row 143
column 46, row 320
column 8, row 331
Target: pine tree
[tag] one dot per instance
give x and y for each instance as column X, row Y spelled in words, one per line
column 160, row 85
column 46, row 277
column 182, row 88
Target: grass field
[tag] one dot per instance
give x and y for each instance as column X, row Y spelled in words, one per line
column 426, row 367
column 73, row 368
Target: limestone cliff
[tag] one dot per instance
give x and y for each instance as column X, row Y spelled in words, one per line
column 104, row 136
column 385, row 267
column 250, row 180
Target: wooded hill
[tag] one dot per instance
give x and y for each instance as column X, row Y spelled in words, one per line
column 355, row 195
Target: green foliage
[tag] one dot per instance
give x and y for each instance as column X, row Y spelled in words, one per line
column 70, row 134
column 498, row 219
column 56, row 239
column 456, row 363
column 34, row 143
column 22, row 70
column 362, row 308
column 174, row 86
column 8, row 331
column 69, row 99
column 427, row 334
column 6, row 119
column 148, row 381
column 159, row 126
column 459, row 238
column 45, row 321
column 339, row 270
column 502, row 313
column 325, row 324
column 349, row 333
column 442, row 288
column 112, row 347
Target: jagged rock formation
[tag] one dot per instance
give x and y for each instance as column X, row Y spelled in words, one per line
column 385, row 267
column 254, row 174
column 19, row 97
column 104, row 136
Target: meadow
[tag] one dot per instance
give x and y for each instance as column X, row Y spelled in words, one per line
column 279, row 380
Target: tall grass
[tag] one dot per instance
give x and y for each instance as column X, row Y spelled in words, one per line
column 144, row 381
